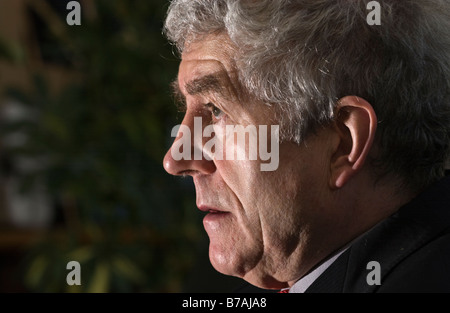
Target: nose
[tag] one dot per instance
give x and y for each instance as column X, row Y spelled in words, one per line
column 189, row 164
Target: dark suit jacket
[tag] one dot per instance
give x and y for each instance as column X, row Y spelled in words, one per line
column 412, row 248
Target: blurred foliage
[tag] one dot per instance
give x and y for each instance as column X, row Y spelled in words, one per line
column 100, row 143
column 10, row 51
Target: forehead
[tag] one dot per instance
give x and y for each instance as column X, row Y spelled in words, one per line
column 214, row 58
column 214, row 54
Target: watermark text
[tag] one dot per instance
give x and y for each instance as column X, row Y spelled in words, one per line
column 232, row 142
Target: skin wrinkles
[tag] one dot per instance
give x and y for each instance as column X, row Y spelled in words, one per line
column 212, row 65
column 244, row 218
column 279, row 223
column 254, row 226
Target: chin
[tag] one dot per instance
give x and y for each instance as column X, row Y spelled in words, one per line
column 224, row 261
column 263, row 281
column 232, row 264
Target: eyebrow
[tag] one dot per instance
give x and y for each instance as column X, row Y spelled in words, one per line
column 205, row 84
column 201, row 86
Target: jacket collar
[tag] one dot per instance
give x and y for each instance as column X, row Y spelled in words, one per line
column 389, row 242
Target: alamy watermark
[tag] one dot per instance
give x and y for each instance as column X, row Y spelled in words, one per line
column 74, row 276
column 232, row 142
column 74, row 16
column 374, row 276
column 374, row 16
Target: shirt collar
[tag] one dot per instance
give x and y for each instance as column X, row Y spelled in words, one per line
column 301, row 285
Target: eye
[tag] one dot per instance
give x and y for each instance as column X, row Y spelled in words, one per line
column 215, row 111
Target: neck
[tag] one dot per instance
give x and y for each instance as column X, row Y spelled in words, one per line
column 350, row 212
column 363, row 203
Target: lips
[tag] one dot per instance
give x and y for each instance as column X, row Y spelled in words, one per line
column 210, row 209
column 215, row 219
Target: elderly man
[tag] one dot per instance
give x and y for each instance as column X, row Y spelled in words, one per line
column 357, row 200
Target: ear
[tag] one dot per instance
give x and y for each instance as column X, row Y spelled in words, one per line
column 355, row 125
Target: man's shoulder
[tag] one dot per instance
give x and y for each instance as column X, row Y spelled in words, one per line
column 414, row 244
column 411, row 249
column 427, row 269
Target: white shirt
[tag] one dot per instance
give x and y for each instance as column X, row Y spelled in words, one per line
column 301, row 285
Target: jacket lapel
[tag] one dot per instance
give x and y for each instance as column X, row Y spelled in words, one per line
column 389, row 242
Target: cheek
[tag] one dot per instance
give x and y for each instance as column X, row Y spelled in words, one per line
column 260, row 199
column 236, row 243
column 281, row 210
column 262, row 229
column 235, row 239
column 271, row 212
column 241, row 178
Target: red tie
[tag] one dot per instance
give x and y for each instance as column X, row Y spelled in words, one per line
column 284, row 290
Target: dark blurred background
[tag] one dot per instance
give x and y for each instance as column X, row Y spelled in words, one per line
column 85, row 118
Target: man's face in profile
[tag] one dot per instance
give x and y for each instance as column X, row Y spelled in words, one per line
column 261, row 224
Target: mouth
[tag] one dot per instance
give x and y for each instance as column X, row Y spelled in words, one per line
column 213, row 216
column 212, row 211
column 209, row 209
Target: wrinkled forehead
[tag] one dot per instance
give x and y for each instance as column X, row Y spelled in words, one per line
column 217, row 46
column 211, row 64
column 213, row 55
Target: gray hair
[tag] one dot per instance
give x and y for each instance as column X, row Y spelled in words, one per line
column 302, row 56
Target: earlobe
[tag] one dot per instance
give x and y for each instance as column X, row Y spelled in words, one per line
column 355, row 125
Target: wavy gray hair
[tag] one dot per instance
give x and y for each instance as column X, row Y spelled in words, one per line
column 302, row 56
